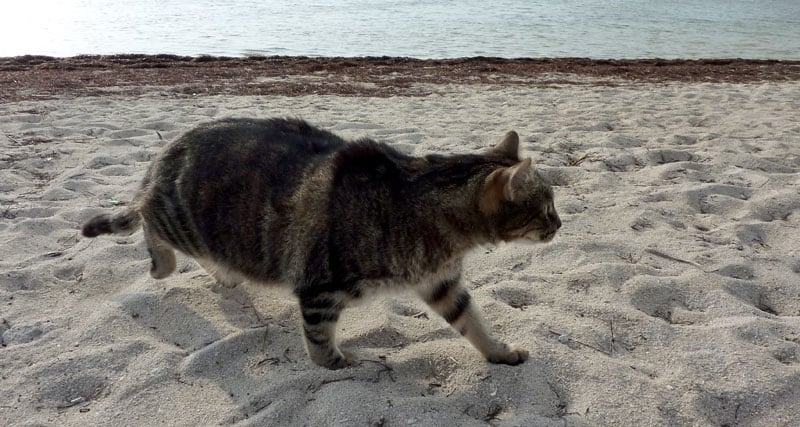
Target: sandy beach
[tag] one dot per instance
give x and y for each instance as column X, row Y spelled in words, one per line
column 671, row 295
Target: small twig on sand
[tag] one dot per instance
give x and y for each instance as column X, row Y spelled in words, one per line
column 611, row 325
column 315, row 388
column 672, row 258
column 76, row 401
column 386, row 368
column 573, row 161
column 271, row 360
column 580, row 342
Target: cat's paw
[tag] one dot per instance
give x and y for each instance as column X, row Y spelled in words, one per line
column 342, row 362
column 338, row 361
column 512, row 356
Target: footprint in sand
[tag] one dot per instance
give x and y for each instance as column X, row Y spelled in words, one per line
column 23, row 333
column 58, row 194
column 100, row 162
column 130, row 133
column 34, row 212
column 778, row 206
column 40, row 227
column 718, row 199
column 624, row 162
column 751, row 162
column 561, row 176
column 513, row 296
column 787, row 352
column 377, row 335
column 737, row 271
column 666, row 299
column 116, row 170
column 405, row 309
column 684, row 139
column 778, row 300
column 138, row 156
column 763, row 334
column 664, row 156
column 69, row 273
column 22, row 280
column 753, row 235
column 650, row 219
column 83, row 376
column 79, row 185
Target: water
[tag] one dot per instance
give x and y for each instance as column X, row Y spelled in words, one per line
column 766, row 29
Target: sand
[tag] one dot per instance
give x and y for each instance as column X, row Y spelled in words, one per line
column 670, row 297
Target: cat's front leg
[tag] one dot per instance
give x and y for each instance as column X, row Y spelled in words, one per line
column 453, row 302
column 320, row 314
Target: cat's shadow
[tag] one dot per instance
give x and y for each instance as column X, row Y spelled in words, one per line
column 266, row 384
column 238, row 307
column 263, row 369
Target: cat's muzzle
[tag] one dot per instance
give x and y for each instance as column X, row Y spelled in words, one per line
column 547, row 234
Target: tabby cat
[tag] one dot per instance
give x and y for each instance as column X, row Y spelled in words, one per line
column 279, row 200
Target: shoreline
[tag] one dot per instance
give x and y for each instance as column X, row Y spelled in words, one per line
column 41, row 77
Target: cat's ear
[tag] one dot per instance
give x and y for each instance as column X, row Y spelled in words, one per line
column 508, row 147
column 504, row 184
column 515, row 177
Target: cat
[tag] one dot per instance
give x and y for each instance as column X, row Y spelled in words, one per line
column 279, row 200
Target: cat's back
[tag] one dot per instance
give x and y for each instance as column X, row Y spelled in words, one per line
column 239, row 154
column 262, row 139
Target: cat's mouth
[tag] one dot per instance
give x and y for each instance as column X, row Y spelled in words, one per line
column 541, row 236
column 548, row 236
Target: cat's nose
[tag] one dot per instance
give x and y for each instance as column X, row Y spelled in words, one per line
column 557, row 221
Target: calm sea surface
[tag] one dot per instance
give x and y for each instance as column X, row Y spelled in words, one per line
column 416, row 28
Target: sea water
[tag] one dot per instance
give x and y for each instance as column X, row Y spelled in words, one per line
column 415, row 28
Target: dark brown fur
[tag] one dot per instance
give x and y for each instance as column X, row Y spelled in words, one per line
column 282, row 201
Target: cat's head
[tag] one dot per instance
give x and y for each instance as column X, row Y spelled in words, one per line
column 516, row 200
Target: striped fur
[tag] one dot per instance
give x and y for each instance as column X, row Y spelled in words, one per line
column 282, row 201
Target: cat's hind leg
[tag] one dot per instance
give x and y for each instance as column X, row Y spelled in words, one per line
column 450, row 300
column 320, row 314
column 162, row 255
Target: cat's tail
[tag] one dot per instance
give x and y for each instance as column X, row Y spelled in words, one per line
column 125, row 222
